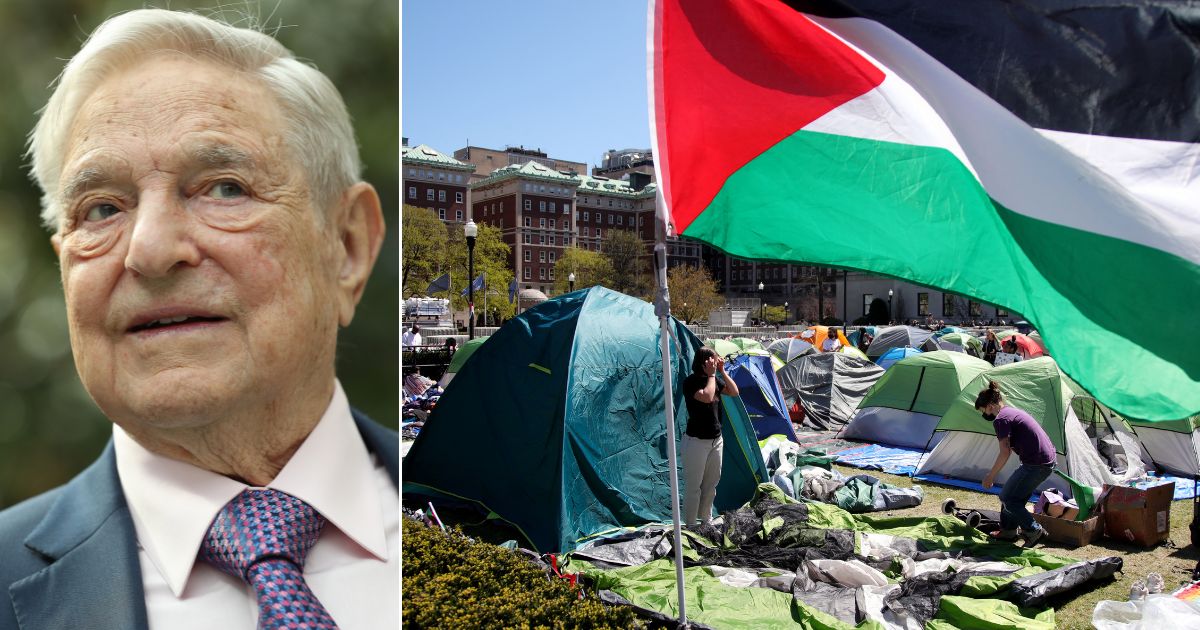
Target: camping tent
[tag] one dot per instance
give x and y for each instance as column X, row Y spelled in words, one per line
column 557, row 423
column 934, row 344
column 1040, row 388
column 816, row 335
column 1174, row 445
column 905, row 405
column 895, row 354
column 857, row 333
column 1026, row 346
column 788, row 349
column 755, row 378
column 828, row 385
column 897, row 337
column 854, row 352
column 968, row 342
column 459, row 359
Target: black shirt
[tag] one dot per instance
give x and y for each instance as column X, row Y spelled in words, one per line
column 704, row 419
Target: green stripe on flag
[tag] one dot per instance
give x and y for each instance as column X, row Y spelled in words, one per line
column 918, row 214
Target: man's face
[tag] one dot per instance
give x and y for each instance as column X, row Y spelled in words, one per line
column 199, row 281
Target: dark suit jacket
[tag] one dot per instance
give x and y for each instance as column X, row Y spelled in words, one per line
column 69, row 558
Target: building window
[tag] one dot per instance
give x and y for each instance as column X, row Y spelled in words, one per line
column 551, row 239
column 458, row 179
column 412, row 192
column 429, row 195
column 947, row 305
column 442, row 213
column 975, row 308
column 585, row 216
column 458, row 215
column 541, row 239
column 458, row 198
column 611, row 219
column 542, row 256
column 551, row 224
column 526, row 273
column 541, row 273
column 566, row 207
column 412, row 172
column 528, row 204
column 542, row 222
column 599, row 218
column 552, row 273
column 621, row 220
column 610, row 203
column 501, row 206
column 551, row 259
column 867, row 299
column 585, row 231
column 528, row 255
column 526, row 238
column 442, row 176
column 552, row 206
column 922, row 304
column 597, row 232
column 441, row 195
column 541, row 206
column 527, row 221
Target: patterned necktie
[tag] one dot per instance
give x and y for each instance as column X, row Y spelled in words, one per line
column 263, row 537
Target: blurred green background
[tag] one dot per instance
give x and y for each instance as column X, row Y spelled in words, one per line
column 49, row 427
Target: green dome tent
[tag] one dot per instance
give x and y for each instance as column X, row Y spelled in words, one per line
column 557, row 423
column 1059, row 405
column 906, row 404
column 459, row 359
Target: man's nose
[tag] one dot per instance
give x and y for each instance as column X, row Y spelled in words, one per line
column 163, row 237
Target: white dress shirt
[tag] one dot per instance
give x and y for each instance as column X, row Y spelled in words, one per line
column 353, row 569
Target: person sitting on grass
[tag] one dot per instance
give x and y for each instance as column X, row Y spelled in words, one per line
column 1016, row 431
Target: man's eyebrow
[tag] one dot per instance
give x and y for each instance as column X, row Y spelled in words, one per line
column 86, row 179
column 220, row 156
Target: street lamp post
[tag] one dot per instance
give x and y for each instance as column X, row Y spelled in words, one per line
column 890, row 317
column 761, row 304
column 571, row 280
column 785, row 313
column 471, row 231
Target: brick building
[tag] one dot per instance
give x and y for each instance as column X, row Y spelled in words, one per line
column 436, row 181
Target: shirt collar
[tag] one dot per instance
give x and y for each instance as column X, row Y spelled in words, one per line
column 173, row 502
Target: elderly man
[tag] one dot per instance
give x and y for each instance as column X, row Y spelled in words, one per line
column 203, row 190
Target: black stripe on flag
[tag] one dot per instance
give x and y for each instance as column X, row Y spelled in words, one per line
column 1127, row 69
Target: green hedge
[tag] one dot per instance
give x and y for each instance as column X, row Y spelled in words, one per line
column 450, row 581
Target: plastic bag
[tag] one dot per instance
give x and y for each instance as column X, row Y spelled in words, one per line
column 1154, row 613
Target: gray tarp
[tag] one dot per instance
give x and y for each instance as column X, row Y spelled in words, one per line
column 897, row 337
column 828, row 385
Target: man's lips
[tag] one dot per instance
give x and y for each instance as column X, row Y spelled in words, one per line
column 169, row 320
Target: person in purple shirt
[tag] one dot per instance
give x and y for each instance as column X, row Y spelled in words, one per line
column 1017, row 432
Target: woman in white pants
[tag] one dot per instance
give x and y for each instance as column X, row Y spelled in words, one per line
column 702, row 444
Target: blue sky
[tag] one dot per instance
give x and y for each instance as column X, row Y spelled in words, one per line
column 565, row 76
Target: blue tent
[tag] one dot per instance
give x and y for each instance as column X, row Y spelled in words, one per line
column 894, row 355
column 760, row 393
column 854, row 334
column 949, row 329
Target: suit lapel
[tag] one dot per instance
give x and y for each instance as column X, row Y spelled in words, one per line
column 93, row 579
column 383, row 442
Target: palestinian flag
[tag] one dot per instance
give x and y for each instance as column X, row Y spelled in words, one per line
column 1040, row 156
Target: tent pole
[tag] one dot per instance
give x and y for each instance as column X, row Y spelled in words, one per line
column 662, row 308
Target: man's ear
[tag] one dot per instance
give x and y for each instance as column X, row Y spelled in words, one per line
column 56, row 243
column 360, row 232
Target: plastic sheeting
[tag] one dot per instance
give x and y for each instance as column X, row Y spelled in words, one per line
column 828, row 385
column 1034, row 590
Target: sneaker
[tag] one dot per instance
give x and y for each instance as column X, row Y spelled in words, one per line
column 1137, row 591
column 1154, row 583
column 1033, row 537
column 1005, row 535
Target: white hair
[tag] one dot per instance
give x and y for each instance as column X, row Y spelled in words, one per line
column 318, row 126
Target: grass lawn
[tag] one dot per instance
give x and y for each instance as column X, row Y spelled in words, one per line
column 1174, row 559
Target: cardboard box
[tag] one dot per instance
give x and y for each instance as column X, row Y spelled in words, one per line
column 1139, row 516
column 1073, row 533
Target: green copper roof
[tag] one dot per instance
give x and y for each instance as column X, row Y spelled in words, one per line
column 424, row 154
column 528, row 170
column 617, row 187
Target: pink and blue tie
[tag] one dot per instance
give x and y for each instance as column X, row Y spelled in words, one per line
column 263, row 537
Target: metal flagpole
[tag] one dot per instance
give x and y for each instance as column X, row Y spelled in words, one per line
column 662, row 300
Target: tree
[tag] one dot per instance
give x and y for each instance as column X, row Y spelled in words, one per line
column 491, row 259
column 590, row 268
column 877, row 314
column 424, row 255
column 774, row 314
column 627, row 255
column 693, row 292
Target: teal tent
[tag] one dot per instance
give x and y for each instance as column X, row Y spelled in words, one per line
column 557, row 426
